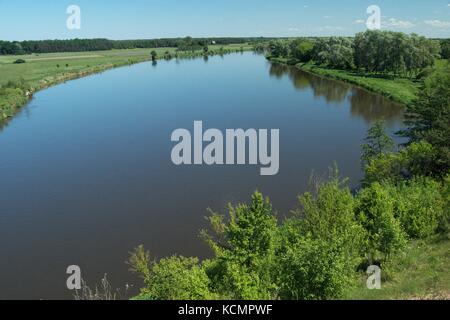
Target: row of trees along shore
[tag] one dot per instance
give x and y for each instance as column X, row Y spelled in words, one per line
column 79, row 45
column 379, row 52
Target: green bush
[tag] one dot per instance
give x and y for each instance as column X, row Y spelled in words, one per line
column 375, row 212
column 320, row 248
column 312, row 269
column 419, row 206
column 415, row 160
column 19, row 61
column 174, row 278
column 244, row 248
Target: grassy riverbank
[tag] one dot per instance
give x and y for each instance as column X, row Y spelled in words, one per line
column 18, row 82
column 397, row 89
column 420, row 272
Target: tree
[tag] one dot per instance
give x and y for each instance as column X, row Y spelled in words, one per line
column 375, row 212
column 419, row 206
column 321, row 245
column 244, row 249
column 278, row 49
column 334, row 52
column 394, row 52
column 154, row 55
column 428, row 118
column 377, row 142
column 302, row 50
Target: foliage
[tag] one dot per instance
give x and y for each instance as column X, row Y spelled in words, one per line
column 334, row 52
column 375, row 212
column 244, row 249
column 377, row 142
column 445, row 49
column 320, row 246
column 19, row 61
column 83, row 45
column 428, row 119
column 313, row 270
column 417, row 159
column 302, row 49
column 174, row 278
column 394, row 52
column 278, row 48
column 419, row 206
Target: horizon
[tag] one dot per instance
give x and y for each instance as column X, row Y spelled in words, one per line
column 158, row 19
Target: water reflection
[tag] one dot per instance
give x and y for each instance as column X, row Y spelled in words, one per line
column 363, row 104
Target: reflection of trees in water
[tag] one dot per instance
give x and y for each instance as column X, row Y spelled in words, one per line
column 373, row 107
column 332, row 91
column 363, row 104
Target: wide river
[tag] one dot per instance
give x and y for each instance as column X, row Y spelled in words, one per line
column 86, row 172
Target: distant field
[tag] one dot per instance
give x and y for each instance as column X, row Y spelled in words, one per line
column 43, row 70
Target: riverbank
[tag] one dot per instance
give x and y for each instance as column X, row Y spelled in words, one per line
column 400, row 90
column 19, row 81
column 418, row 273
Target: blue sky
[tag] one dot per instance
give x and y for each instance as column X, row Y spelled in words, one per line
column 138, row 19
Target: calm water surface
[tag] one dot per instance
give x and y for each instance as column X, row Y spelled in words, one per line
column 86, row 174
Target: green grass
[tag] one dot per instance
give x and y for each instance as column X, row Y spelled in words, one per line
column 400, row 90
column 43, row 70
column 420, row 272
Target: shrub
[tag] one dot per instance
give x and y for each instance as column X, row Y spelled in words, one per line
column 312, row 269
column 375, row 212
column 384, row 167
column 419, row 206
column 174, row 278
column 321, row 246
column 19, row 61
column 416, row 159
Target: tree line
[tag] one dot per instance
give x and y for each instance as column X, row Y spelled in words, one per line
column 379, row 52
column 79, row 45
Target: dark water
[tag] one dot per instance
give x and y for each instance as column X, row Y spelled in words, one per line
column 86, row 174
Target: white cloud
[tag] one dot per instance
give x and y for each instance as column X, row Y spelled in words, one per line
column 396, row 23
column 327, row 17
column 293, row 29
column 438, row 24
column 360, row 21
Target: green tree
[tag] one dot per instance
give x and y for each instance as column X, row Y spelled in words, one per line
column 244, row 249
column 377, row 142
column 419, row 206
column 321, row 245
column 428, row 118
column 278, row 49
column 375, row 212
column 302, row 50
column 154, row 55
